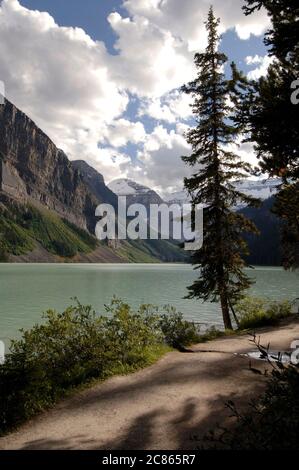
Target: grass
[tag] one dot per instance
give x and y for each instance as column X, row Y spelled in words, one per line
column 252, row 313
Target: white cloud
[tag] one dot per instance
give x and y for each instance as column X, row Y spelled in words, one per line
column 123, row 131
column 173, row 107
column 245, row 150
column 60, row 77
column 252, row 60
column 261, row 70
column 159, row 163
column 77, row 92
column 185, row 18
column 157, row 40
column 151, row 61
column 112, row 163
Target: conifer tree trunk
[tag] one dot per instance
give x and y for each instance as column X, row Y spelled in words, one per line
column 225, row 311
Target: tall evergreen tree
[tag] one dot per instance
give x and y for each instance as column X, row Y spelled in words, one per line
column 273, row 117
column 216, row 167
column 282, row 37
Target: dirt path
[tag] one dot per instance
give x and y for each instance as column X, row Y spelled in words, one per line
column 160, row 407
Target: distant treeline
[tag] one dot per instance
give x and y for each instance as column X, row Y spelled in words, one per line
column 265, row 249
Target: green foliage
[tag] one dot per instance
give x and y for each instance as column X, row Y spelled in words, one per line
column 13, row 238
column 287, row 207
column 177, row 331
column 253, row 312
column 136, row 252
column 85, row 236
column 213, row 333
column 221, row 258
column 3, row 255
column 277, row 140
column 21, row 226
column 71, row 348
column 282, row 37
column 57, row 236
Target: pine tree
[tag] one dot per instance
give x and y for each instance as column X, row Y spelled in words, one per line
column 273, row 117
column 282, row 37
column 216, row 167
column 287, row 207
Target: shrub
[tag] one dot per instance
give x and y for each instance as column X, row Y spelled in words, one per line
column 76, row 346
column 253, row 312
column 177, row 331
column 212, row 333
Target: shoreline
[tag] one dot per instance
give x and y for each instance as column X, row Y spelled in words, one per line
column 159, row 407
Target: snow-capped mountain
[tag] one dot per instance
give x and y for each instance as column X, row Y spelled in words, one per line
column 179, row 197
column 139, row 194
column 135, row 192
column 260, row 189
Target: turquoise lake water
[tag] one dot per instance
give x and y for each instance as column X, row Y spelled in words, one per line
column 27, row 290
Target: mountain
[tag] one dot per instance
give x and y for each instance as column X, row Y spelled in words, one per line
column 138, row 194
column 261, row 189
column 32, row 168
column 135, row 192
column 95, row 182
column 179, row 197
column 47, row 203
column 265, row 249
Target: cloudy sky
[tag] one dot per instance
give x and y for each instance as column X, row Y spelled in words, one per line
column 102, row 77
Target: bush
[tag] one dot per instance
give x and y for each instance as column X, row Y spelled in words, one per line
column 177, row 331
column 76, row 346
column 253, row 312
column 212, row 333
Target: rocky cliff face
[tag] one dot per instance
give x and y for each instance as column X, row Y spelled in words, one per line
column 33, row 168
column 95, row 182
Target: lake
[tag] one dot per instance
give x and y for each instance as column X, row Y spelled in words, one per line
column 27, row 290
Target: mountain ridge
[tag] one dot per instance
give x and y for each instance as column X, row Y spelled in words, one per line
column 135, row 193
column 47, row 202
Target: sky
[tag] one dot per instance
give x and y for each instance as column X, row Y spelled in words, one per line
column 102, row 77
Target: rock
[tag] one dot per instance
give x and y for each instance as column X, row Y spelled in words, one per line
column 32, row 168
